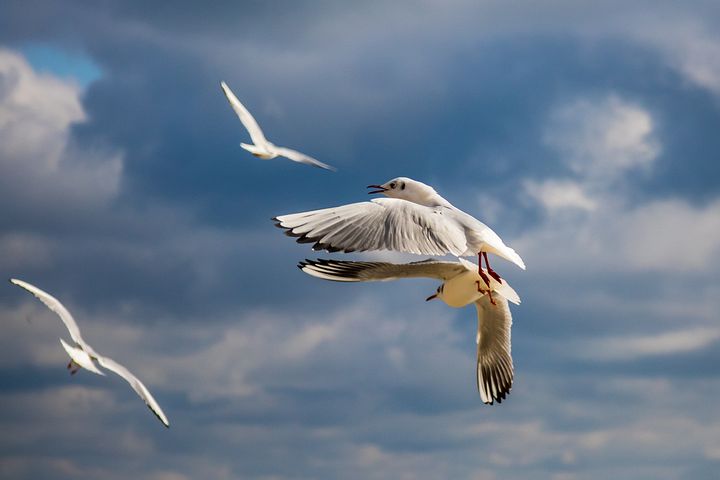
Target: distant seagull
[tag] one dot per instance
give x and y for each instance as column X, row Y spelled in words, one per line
column 462, row 286
column 416, row 219
column 263, row 148
column 83, row 354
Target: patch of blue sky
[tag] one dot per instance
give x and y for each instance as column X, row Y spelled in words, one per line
column 62, row 62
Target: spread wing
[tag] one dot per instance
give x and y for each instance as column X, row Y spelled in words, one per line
column 246, row 118
column 381, row 224
column 54, row 304
column 494, row 361
column 345, row 271
column 300, row 157
column 136, row 384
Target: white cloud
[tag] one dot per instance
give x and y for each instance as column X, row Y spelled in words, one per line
column 690, row 45
column 661, row 236
column 309, row 338
column 556, row 195
column 629, row 347
column 42, row 170
column 601, row 138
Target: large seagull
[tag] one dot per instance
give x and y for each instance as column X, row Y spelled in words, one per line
column 415, row 219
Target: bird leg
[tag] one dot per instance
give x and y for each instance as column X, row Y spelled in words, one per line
column 491, row 272
column 482, row 274
column 483, row 291
column 73, row 367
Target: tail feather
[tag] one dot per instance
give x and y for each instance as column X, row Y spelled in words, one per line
column 514, row 258
column 507, row 253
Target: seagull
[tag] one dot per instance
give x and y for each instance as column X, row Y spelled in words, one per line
column 263, row 148
column 461, row 286
column 84, row 356
column 414, row 219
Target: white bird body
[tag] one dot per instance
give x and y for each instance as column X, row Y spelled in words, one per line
column 416, row 219
column 462, row 290
column 262, row 153
column 262, row 147
column 81, row 358
column 462, row 285
column 85, row 356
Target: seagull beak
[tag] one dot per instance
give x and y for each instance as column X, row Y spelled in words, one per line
column 431, row 297
column 380, row 189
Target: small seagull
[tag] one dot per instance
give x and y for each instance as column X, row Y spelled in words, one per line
column 462, row 285
column 83, row 355
column 415, row 219
column 262, row 147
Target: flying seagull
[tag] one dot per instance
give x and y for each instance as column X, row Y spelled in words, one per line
column 415, row 219
column 262, row 147
column 84, row 356
column 462, row 285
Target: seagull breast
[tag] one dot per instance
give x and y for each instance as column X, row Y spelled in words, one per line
column 462, row 289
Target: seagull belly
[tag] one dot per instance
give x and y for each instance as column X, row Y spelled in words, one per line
column 462, row 290
column 80, row 357
column 259, row 151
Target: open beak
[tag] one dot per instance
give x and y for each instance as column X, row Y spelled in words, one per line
column 431, row 297
column 380, row 189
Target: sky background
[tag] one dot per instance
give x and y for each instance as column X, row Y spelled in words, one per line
column 585, row 134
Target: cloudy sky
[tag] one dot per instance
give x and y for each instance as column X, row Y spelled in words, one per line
column 585, row 134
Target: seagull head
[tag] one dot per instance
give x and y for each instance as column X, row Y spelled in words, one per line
column 406, row 189
column 438, row 294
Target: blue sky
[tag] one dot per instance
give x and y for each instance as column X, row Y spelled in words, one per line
column 583, row 133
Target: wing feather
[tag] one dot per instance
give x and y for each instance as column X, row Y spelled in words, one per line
column 348, row 271
column 54, row 304
column 136, row 385
column 382, row 224
column 494, row 359
column 246, row 118
column 300, row 157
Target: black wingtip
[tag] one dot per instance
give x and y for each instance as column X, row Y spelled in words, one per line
column 304, row 238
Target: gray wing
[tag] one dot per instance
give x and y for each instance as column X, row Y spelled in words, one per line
column 494, row 360
column 300, row 157
column 136, row 384
column 382, row 224
column 246, row 118
column 345, row 271
column 54, row 304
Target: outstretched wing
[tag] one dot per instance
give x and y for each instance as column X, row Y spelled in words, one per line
column 246, row 118
column 346, row 271
column 494, row 360
column 296, row 156
column 54, row 304
column 136, row 384
column 381, row 224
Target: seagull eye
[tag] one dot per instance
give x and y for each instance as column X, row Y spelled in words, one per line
column 392, row 185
